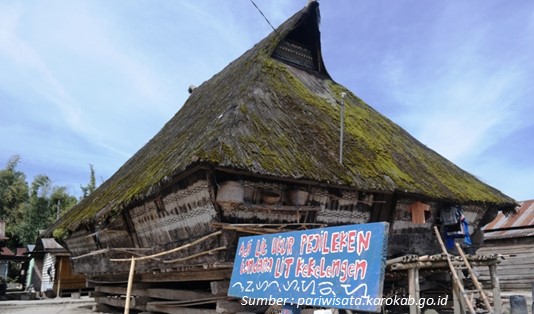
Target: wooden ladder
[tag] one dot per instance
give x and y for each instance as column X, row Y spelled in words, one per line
column 457, row 284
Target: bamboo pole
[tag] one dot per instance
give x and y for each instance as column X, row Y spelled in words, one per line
column 474, row 278
column 129, row 288
column 455, row 278
column 134, row 253
column 406, row 266
column 204, row 238
column 97, row 252
column 221, row 248
column 463, row 305
column 402, row 259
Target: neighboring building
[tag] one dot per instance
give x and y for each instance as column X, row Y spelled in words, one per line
column 513, row 237
column 8, row 258
column 5, row 256
column 3, row 250
column 255, row 149
column 52, row 272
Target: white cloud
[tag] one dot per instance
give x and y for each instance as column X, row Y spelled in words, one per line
column 76, row 36
column 17, row 50
column 458, row 99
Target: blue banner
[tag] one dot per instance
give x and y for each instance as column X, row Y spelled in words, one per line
column 336, row 267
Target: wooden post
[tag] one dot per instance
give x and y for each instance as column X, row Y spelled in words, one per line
column 413, row 288
column 129, row 288
column 496, row 288
column 455, row 278
column 58, row 277
column 474, row 278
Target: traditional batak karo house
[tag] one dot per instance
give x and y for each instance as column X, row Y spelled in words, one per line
column 253, row 150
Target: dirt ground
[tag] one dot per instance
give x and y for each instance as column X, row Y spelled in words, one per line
column 51, row 306
column 85, row 305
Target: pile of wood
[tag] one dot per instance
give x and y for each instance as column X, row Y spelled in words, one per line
column 165, row 299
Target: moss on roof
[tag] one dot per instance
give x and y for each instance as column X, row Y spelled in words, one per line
column 266, row 117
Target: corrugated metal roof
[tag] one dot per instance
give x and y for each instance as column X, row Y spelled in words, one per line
column 518, row 225
column 6, row 251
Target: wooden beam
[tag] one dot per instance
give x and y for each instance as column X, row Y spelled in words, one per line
column 103, row 308
column 186, row 303
column 219, row 287
column 226, row 306
column 130, row 229
column 280, row 208
column 58, row 276
column 158, row 293
column 111, row 280
column 170, row 309
column 117, row 302
column 199, row 275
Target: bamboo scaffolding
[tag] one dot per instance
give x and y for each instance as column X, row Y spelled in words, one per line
column 455, row 278
column 474, row 279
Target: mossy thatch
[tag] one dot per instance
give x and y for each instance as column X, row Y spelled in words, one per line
column 266, row 117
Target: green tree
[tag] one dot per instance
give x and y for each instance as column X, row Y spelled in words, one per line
column 13, row 196
column 91, row 186
column 61, row 200
column 29, row 209
column 38, row 213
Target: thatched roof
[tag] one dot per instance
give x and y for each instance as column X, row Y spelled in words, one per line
column 267, row 117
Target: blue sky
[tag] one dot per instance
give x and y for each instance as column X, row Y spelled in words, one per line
column 90, row 82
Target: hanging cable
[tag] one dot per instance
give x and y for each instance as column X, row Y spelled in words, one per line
column 266, row 19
